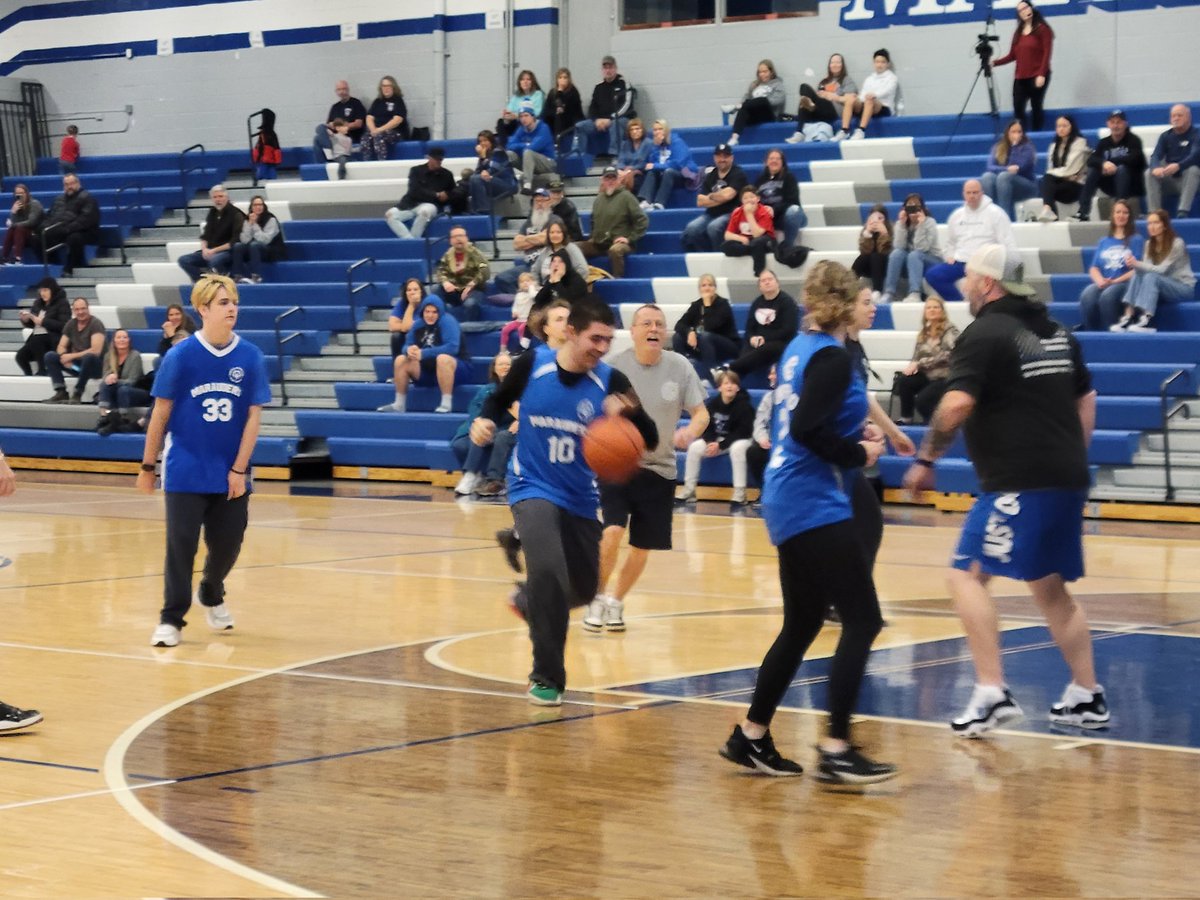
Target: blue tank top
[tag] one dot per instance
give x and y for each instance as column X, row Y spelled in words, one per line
column 801, row 491
column 548, row 462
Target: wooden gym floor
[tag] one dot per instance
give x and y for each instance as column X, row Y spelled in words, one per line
column 362, row 732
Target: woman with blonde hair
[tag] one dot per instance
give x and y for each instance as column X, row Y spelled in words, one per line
column 667, row 163
column 922, row 382
column 118, row 383
column 387, row 121
column 816, row 435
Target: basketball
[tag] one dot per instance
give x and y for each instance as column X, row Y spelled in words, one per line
column 613, row 448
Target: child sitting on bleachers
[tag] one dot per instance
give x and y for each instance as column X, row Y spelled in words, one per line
column 341, row 146
column 527, row 288
column 730, row 426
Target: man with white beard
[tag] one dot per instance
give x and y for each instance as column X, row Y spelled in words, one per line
column 529, row 241
column 618, row 222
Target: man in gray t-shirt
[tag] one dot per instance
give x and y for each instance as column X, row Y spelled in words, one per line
column 666, row 384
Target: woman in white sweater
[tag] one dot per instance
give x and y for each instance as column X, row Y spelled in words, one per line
column 877, row 97
column 1163, row 273
column 1067, row 168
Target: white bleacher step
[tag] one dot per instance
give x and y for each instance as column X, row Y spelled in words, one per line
column 909, row 316
column 742, row 267
column 137, row 295
column 35, row 388
column 176, row 249
column 894, row 149
column 832, row 193
column 888, row 345
column 115, row 317
column 672, row 291
column 396, row 168
column 858, row 171
column 159, row 273
column 374, row 189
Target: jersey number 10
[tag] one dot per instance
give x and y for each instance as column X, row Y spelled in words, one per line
column 562, row 449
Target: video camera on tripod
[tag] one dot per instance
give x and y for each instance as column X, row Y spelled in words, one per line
column 983, row 47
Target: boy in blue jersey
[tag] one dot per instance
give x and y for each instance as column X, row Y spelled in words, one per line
column 209, row 393
column 552, row 491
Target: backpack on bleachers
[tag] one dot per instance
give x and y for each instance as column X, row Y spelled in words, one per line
column 793, row 257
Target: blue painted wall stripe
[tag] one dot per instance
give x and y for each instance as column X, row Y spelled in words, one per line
column 320, row 34
column 208, row 43
column 395, row 28
column 53, row 55
column 76, row 8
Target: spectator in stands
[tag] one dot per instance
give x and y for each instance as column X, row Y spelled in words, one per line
column 387, row 121
column 763, row 101
column 751, row 230
column 1117, row 166
column 340, row 146
column 118, row 386
column 404, row 310
column 1063, row 181
column 529, row 241
column 914, row 249
column 1032, row 44
column 177, row 326
column 68, row 151
column 493, row 177
column 774, row 320
column 718, row 199
column 1164, row 274
column 259, row 241
column 434, row 351
column 486, row 463
column 877, row 99
column 527, row 288
column 462, row 275
column 977, row 222
column 266, row 152
column 831, row 102
column 707, row 333
column 609, row 111
column 428, row 195
column 222, row 226
column 874, row 247
column 668, row 163
column 635, row 153
column 349, row 109
column 777, row 189
column 47, row 318
column 564, row 208
column 1175, row 163
column 563, row 108
column 527, row 93
column 1100, row 303
column 74, row 220
column 24, row 222
column 1009, row 176
column 534, row 146
column 79, row 351
column 922, row 382
column 557, row 239
column 618, row 223
column 730, row 425
column 562, row 283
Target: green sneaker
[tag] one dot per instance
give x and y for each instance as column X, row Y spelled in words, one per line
column 543, row 695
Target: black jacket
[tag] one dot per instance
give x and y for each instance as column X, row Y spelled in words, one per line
column 58, row 312
column 562, row 110
column 784, row 324
column 727, row 424
column 75, row 213
column 778, row 191
column 223, row 226
column 570, row 215
column 715, row 319
column 424, row 185
column 611, row 99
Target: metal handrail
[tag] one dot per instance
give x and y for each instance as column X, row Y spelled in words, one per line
column 352, row 291
column 184, row 172
column 250, row 141
column 47, row 250
column 123, row 208
column 279, row 342
column 430, row 243
column 1167, row 416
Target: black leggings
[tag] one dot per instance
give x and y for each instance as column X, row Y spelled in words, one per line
column 871, row 265
column 918, row 390
column 823, row 110
column 1057, row 190
column 754, row 358
column 818, row 568
column 1026, row 91
column 753, row 111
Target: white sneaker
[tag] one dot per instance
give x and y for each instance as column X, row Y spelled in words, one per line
column 729, row 107
column 1122, row 323
column 443, row 408
column 876, row 296
column 841, row 136
column 604, row 613
column 914, row 297
column 885, row 298
column 659, row 206
column 990, row 707
column 1144, row 324
column 391, row 407
column 646, row 204
column 218, row 617
column 466, row 483
column 593, row 620
column 858, row 135
column 1047, row 215
column 165, row 636
column 796, row 138
column 733, row 140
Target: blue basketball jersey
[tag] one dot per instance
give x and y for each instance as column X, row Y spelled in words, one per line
column 801, row 491
column 212, row 391
column 548, row 462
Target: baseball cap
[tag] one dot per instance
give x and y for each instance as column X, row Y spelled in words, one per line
column 525, row 109
column 609, row 172
column 1117, row 114
column 722, row 149
column 436, row 153
column 555, row 185
column 993, row 261
column 608, row 61
column 541, row 192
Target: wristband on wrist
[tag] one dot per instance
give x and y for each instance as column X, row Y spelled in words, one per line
column 236, row 471
column 147, row 467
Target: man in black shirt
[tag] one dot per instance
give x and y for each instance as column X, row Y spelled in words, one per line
column 610, row 110
column 429, row 187
column 74, row 221
column 349, row 108
column 1117, row 166
column 1019, row 388
column 718, row 198
column 222, row 227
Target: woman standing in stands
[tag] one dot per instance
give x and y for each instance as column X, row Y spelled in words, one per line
column 816, row 433
column 119, row 384
column 763, row 101
column 1063, row 181
column 1009, row 176
column 635, row 152
column 1164, row 273
column 24, row 221
column 387, row 121
column 832, row 100
column 528, row 93
column 874, row 247
column 1031, row 46
column 922, row 382
column 563, row 108
column 914, row 249
column 261, row 240
column 49, row 315
column 1100, row 303
column 707, row 333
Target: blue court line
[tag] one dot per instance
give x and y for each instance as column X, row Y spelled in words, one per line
column 70, row 768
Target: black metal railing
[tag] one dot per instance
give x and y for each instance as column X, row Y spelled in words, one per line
column 280, row 341
column 18, row 139
column 34, row 99
column 48, row 248
column 186, row 168
column 123, row 207
column 1167, row 416
column 353, row 291
column 250, row 138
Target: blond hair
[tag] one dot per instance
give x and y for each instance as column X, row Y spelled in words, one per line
column 204, row 291
column 830, row 292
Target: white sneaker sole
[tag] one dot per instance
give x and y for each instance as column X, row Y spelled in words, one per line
column 980, row 728
column 24, row 723
column 1084, row 720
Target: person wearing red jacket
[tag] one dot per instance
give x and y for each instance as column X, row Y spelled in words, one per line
column 1031, row 45
column 751, row 230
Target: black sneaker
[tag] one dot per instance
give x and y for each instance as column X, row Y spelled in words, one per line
column 851, row 767
column 759, row 755
column 1080, row 217
column 511, row 545
column 1073, row 709
column 60, row 396
column 983, row 713
column 518, row 601
column 12, row 718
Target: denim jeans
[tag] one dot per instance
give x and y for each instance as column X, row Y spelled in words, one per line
column 710, row 350
column 484, row 194
column 420, row 215
column 1100, row 308
column 86, row 368
column 1147, row 289
column 195, row 265
column 658, row 184
column 586, row 129
column 1006, row 188
column 794, row 219
column 914, row 262
column 247, row 259
column 705, row 233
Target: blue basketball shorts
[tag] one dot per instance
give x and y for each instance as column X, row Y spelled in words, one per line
column 1025, row 536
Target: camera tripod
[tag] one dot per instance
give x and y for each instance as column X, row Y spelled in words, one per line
column 984, row 50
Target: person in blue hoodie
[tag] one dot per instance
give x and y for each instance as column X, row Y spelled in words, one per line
column 493, row 177
column 665, row 167
column 435, row 350
column 534, row 144
column 1009, row 177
